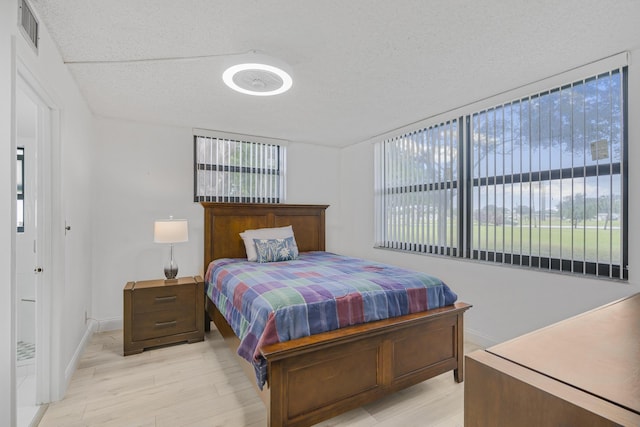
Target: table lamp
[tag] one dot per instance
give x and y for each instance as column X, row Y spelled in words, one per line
column 171, row 231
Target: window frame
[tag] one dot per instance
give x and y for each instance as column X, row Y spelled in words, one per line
column 260, row 171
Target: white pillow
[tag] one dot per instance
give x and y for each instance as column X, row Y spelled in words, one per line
column 263, row 233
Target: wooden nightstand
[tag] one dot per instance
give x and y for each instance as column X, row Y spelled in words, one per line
column 158, row 312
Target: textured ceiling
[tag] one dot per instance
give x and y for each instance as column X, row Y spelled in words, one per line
column 360, row 67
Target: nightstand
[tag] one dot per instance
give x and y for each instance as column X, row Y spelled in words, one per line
column 159, row 312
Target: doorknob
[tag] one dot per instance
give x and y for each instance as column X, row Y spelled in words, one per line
column 37, row 270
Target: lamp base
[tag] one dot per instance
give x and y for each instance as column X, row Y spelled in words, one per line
column 171, row 271
column 171, row 267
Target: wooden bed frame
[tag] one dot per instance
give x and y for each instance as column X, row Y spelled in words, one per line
column 318, row 377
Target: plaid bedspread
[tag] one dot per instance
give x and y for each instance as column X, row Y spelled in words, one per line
column 318, row 292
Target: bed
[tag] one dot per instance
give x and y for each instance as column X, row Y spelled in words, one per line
column 317, row 377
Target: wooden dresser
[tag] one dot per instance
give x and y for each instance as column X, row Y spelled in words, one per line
column 584, row 371
column 158, row 312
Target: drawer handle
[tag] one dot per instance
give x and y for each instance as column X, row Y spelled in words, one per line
column 166, row 299
column 166, row 324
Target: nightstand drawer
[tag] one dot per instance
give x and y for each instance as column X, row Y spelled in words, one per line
column 160, row 299
column 159, row 312
column 164, row 323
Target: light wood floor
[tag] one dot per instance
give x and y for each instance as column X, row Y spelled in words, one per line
column 201, row 385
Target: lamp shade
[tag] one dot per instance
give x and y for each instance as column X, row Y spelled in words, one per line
column 171, row 231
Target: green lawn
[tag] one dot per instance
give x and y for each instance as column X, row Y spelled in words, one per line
column 556, row 241
column 588, row 244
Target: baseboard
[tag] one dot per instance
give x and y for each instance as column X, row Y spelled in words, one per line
column 93, row 326
column 112, row 324
column 35, row 422
column 479, row 338
column 73, row 363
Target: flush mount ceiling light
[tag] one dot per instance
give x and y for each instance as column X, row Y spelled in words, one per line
column 257, row 78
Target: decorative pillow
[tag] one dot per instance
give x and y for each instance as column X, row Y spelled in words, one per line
column 263, row 233
column 273, row 250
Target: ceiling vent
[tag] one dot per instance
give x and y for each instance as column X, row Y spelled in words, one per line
column 29, row 24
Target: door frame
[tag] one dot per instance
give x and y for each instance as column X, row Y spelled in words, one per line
column 50, row 253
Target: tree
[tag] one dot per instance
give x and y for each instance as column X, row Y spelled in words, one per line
column 490, row 214
column 568, row 120
column 578, row 208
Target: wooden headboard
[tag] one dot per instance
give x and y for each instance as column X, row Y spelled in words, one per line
column 223, row 223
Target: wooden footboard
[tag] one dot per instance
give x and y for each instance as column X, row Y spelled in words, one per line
column 318, row 377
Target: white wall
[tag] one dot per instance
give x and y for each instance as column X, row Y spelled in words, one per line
column 141, row 173
column 70, row 190
column 144, row 172
column 69, row 273
column 313, row 177
column 7, row 217
column 507, row 301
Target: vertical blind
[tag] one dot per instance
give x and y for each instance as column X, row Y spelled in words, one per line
column 228, row 170
column 539, row 181
column 417, row 190
column 547, row 188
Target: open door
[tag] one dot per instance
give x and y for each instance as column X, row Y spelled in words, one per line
column 33, row 139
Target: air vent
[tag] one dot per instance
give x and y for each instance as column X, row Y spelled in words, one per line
column 29, row 24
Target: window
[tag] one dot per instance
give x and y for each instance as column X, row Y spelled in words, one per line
column 539, row 182
column 20, row 190
column 546, row 176
column 238, row 171
column 420, row 189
